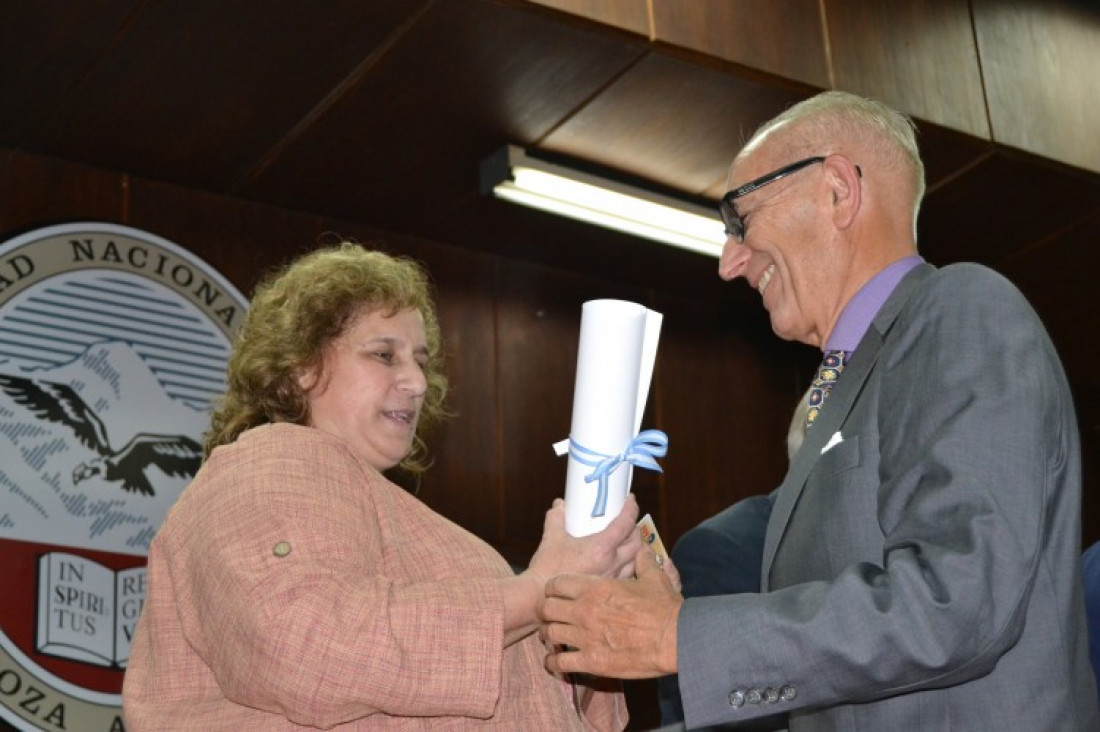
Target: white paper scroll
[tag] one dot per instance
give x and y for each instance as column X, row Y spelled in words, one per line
column 618, row 346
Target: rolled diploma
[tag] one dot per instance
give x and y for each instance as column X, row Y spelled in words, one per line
column 618, row 345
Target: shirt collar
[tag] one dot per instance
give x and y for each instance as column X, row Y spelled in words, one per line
column 857, row 315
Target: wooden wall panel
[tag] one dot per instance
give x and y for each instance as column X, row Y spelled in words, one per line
column 631, row 15
column 946, row 153
column 1040, row 63
column 918, row 56
column 725, row 391
column 35, row 191
column 241, row 240
column 781, row 37
column 1031, row 200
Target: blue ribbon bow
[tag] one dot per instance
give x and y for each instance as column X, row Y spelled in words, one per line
column 641, row 451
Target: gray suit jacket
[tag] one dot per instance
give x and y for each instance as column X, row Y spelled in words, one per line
column 720, row 556
column 922, row 561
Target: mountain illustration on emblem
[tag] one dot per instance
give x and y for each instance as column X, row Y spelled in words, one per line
column 174, row 454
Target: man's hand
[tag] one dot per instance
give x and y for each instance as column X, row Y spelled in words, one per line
column 623, row 629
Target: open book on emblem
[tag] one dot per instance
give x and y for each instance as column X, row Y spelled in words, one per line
column 87, row 612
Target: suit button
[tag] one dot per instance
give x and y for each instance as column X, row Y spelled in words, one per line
column 771, row 696
column 787, row 693
column 737, row 698
column 754, row 696
column 281, row 549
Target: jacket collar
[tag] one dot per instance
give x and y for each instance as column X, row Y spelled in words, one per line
column 841, row 400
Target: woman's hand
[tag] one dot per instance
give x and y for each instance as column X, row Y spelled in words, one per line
column 607, row 553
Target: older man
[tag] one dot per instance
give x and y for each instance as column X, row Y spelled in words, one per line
column 921, row 566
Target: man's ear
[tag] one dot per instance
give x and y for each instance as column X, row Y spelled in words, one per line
column 844, row 179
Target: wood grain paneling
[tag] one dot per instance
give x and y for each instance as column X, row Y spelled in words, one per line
column 781, row 37
column 46, row 48
column 240, row 239
column 1072, row 260
column 469, row 78
column 631, row 15
column 700, row 116
column 918, row 56
column 1007, row 202
column 36, row 190
column 947, row 153
column 726, row 387
column 379, row 113
column 1040, row 64
column 211, row 77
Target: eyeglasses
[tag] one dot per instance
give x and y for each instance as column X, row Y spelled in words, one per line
column 735, row 225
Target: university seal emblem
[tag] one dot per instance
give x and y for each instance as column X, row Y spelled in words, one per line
column 113, row 345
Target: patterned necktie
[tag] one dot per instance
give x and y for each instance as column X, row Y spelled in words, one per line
column 823, row 382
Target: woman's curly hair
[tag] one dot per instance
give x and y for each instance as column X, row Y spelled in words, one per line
column 299, row 309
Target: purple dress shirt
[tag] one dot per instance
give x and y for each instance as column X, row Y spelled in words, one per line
column 864, row 306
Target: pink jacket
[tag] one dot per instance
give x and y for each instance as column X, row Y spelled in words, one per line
column 293, row 586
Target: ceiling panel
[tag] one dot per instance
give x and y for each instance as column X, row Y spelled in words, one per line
column 672, row 122
column 782, row 37
column 45, row 49
column 223, row 82
column 468, row 78
column 1045, row 57
column 919, row 56
column 631, row 15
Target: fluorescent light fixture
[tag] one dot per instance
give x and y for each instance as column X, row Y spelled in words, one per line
column 513, row 175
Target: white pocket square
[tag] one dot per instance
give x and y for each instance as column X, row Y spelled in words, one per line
column 835, row 440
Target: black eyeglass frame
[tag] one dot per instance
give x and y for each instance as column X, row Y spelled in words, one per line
column 735, row 225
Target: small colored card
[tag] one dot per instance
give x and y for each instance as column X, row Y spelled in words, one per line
column 650, row 536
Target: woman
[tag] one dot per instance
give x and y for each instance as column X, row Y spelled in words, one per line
column 292, row 585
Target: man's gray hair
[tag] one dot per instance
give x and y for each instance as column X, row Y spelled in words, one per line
column 837, row 115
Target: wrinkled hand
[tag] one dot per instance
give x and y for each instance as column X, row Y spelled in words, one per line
column 623, row 629
column 608, row 553
column 673, row 575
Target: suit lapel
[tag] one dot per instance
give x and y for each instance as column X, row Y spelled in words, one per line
column 832, row 418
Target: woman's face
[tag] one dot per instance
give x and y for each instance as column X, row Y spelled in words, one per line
column 371, row 385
